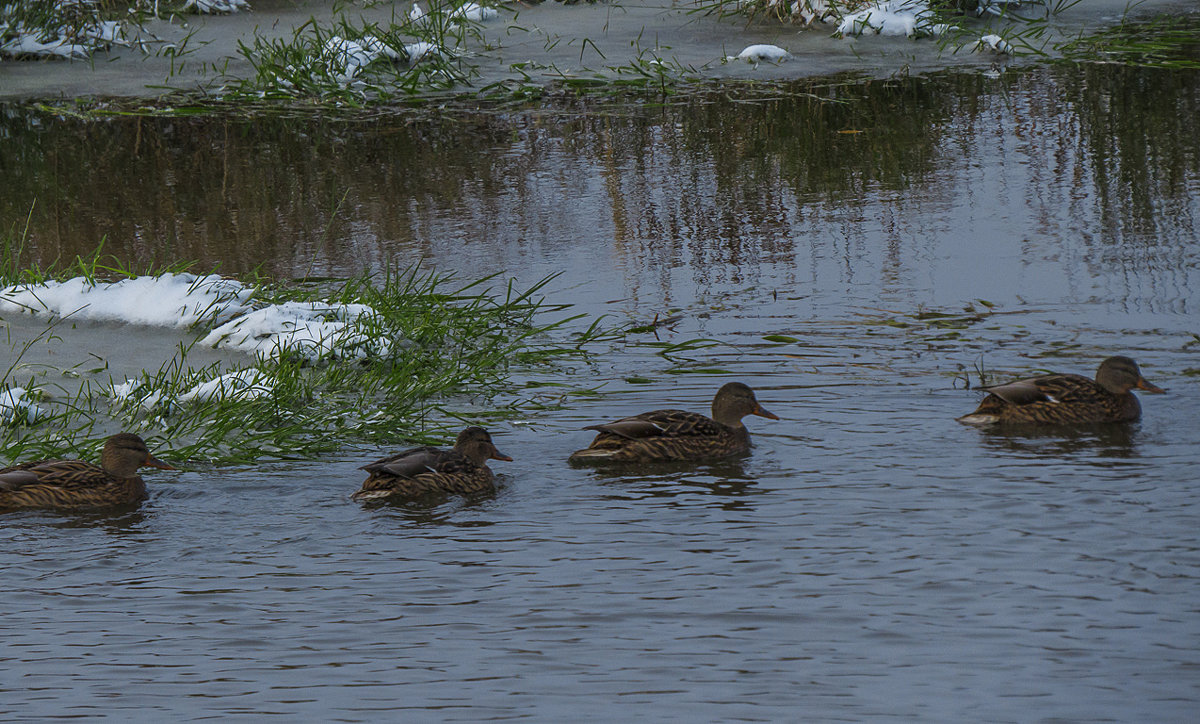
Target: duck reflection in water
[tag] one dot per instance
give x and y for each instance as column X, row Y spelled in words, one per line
column 723, row 483
column 1100, row 442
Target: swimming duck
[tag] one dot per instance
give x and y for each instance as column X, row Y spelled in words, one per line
column 1066, row 399
column 79, row 484
column 427, row 470
column 677, row 434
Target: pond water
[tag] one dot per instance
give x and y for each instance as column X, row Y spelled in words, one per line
column 871, row 559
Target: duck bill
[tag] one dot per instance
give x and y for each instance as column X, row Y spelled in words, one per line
column 153, row 462
column 497, row 455
column 1147, row 387
column 763, row 412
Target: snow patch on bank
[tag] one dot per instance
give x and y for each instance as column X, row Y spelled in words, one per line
column 346, row 58
column 16, row 406
column 311, row 330
column 761, row 53
column 216, row 6
column 245, row 384
column 76, row 40
column 891, row 17
column 170, row 300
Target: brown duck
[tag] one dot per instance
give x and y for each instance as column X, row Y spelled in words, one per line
column 429, row 470
column 79, row 484
column 678, row 434
column 1066, row 399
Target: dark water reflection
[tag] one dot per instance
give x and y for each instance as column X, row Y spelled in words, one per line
column 1103, row 442
column 871, row 559
column 701, row 181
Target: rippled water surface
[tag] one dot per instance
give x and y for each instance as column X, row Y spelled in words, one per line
column 872, row 559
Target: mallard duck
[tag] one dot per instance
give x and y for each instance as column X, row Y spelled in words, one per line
column 677, row 434
column 1066, row 399
column 429, row 470
column 79, row 484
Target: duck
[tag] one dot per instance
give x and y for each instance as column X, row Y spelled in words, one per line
column 428, row 470
column 1066, row 399
column 679, row 435
column 80, row 484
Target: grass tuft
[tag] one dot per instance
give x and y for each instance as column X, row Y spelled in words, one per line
column 454, row 346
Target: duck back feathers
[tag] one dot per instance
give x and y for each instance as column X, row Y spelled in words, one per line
column 670, row 434
column 423, row 471
column 80, row 484
column 1065, row 399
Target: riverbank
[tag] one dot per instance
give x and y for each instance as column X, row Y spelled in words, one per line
column 536, row 45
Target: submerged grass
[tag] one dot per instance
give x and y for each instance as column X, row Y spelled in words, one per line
column 455, row 345
column 1168, row 41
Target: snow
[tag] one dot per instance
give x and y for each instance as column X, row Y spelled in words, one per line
column 761, row 53
column 1001, row 7
column 809, row 11
column 418, row 51
column 346, row 58
column 128, row 392
column 994, row 43
column 15, row 407
column 475, row 13
column 312, row 330
column 889, row 17
column 247, row 384
column 244, row 384
column 216, row 6
column 27, row 44
column 170, row 300
column 63, row 42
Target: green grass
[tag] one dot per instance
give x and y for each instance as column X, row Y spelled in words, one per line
column 462, row 340
column 302, row 66
column 1169, row 41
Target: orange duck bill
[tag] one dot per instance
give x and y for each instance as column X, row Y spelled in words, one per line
column 1145, row 386
column 763, row 412
column 153, row 462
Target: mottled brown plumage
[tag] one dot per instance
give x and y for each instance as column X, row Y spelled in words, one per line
column 79, row 484
column 425, row 471
column 1066, row 399
column 678, row 434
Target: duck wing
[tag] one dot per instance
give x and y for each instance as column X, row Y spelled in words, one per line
column 61, row 473
column 1047, row 388
column 660, row 423
column 416, row 461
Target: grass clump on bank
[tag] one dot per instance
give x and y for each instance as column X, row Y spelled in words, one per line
column 353, row 60
column 359, row 361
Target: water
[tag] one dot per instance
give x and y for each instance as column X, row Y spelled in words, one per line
column 871, row 560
